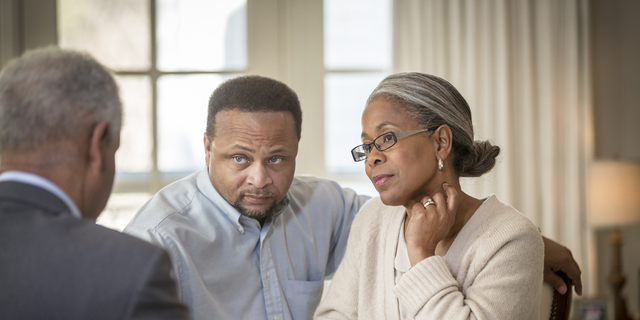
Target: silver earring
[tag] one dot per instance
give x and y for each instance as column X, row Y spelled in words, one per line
column 440, row 164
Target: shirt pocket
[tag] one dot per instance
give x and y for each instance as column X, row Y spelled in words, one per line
column 303, row 297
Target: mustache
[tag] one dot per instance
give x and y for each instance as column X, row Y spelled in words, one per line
column 257, row 192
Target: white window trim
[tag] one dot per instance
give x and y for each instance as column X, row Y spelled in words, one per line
column 285, row 42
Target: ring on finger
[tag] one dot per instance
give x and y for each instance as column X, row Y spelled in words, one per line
column 428, row 203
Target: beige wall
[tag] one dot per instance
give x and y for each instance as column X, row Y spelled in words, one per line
column 616, row 97
column 9, row 44
column 26, row 24
column 616, row 78
column 615, row 55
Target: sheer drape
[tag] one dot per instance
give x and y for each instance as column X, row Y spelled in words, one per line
column 522, row 66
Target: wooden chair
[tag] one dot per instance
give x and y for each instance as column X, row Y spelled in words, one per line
column 555, row 306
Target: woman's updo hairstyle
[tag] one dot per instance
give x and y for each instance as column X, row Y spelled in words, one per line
column 432, row 102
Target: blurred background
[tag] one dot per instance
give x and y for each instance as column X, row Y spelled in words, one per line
column 554, row 83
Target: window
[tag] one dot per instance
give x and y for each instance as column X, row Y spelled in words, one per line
column 169, row 55
column 357, row 56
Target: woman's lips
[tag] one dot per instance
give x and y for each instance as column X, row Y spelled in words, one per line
column 381, row 179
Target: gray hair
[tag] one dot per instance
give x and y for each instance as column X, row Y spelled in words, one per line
column 50, row 94
column 432, row 102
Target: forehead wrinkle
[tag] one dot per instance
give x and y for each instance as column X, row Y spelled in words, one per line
column 245, row 137
column 241, row 147
column 250, row 150
column 276, row 151
column 254, row 133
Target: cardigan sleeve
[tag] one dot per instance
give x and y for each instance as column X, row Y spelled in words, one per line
column 503, row 281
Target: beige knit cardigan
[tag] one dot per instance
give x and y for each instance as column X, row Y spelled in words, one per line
column 493, row 270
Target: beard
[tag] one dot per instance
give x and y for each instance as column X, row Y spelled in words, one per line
column 259, row 215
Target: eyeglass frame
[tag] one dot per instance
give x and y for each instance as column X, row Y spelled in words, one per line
column 396, row 136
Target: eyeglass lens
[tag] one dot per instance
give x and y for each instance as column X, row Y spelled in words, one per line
column 382, row 142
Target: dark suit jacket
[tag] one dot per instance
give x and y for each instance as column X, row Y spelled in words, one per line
column 55, row 266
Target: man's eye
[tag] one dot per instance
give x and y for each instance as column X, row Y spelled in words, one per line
column 387, row 138
column 275, row 160
column 239, row 159
column 367, row 148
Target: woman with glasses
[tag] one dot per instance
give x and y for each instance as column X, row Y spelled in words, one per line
column 424, row 249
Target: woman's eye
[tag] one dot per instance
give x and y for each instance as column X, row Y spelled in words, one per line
column 275, row 160
column 387, row 138
column 239, row 159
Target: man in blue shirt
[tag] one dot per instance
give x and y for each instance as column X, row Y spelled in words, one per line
column 248, row 239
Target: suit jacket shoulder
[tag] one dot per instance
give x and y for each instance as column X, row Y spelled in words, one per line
column 55, row 266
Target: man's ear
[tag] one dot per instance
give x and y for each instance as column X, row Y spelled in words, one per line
column 98, row 145
column 207, row 149
column 444, row 138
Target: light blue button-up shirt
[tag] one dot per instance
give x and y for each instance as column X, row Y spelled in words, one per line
column 228, row 267
column 38, row 181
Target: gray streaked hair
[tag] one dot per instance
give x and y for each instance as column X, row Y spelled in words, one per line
column 49, row 95
column 432, row 102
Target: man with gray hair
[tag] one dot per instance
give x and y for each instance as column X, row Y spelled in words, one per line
column 60, row 118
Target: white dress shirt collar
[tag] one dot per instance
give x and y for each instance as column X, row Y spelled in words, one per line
column 38, row 181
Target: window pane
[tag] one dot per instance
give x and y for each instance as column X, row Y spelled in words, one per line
column 345, row 96
column 357, row 34
column 116, row 32
column 361, row 186
column 121, row 208
column 134, row 154
column 202, row 35
column 182, row 119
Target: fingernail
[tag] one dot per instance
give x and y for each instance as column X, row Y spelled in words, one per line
column 562, row 289
column 445, row 184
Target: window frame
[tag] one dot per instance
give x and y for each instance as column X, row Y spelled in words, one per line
column 157, row 179
column 285, row 41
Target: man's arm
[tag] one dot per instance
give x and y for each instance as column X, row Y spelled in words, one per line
column 558, row 258
column 347, row 204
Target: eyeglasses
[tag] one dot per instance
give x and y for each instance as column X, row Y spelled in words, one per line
column 382, row 142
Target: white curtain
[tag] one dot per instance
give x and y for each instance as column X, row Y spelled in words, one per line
column 523, row 68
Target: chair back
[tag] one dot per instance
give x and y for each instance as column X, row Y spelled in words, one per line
column 553, row 305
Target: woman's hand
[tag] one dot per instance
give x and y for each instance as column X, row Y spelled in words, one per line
column 428, row 225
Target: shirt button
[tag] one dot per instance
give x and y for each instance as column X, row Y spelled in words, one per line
column 269, row 276
column 240, row 229
column 275, row 317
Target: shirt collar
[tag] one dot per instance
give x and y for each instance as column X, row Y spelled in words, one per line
column 233, row 216
column 38, row 181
